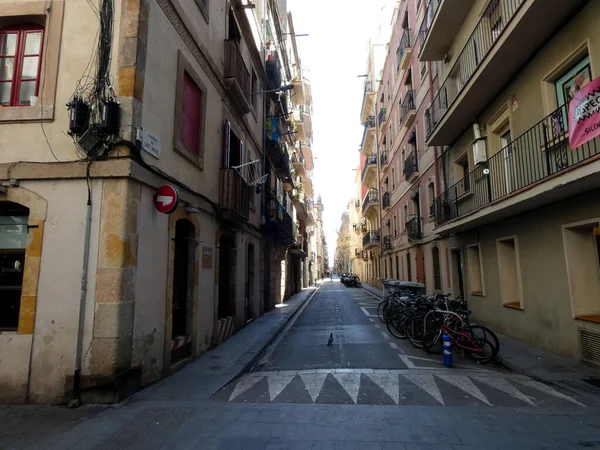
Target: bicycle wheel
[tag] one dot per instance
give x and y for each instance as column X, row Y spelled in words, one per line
column 383, row 311
column 433, row 343
column 487, row 341
column 395, row 324
column 414, row 331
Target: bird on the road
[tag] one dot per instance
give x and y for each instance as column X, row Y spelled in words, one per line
column 330, row 341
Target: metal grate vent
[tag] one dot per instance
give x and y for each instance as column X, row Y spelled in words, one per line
column 590, row 346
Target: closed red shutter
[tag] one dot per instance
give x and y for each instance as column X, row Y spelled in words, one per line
column 191, row 102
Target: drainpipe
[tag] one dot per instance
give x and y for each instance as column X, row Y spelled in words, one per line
column 76, row 400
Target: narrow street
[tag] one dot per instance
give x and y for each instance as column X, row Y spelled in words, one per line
column 366, row 365
column 365, row 391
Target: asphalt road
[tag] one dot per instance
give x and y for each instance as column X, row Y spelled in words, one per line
column 366, row 365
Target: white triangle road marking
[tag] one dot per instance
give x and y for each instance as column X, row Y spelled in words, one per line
column 427, row 383
column 277, row 383
column 244, row 384
column 389, row 384
column 465, row 384
column 548, row 390
column 350, row 382
column 504, row 386
column 314, row 383
column 407, row 361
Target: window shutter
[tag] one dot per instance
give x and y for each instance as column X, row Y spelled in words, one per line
column 226, row 143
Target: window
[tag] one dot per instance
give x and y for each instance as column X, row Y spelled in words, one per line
column 13, row 241
column 582, row 249
column 437, row 272
column 398, row 268
column 475, row 272
column 408, row 268
column 423, row 67
column 431, row 198
column 20, row 62
column 255, row 98
column 391, row 136
column 395, row 225
column 510, row 272
column 203, row 6
column 385, row 268
column 398, row 57
column 393, row 180
column 405, row 216
column 190, row 113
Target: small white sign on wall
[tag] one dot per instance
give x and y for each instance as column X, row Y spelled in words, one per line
column 151, row 144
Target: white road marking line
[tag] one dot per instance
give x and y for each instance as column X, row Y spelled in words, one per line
column 548, row 390
column 504, row 386
column 244, row 384
column 465, row 384
column 389, row 384
column 385, row 335
column 394, row 346
column 426, row 383
column 377, row 326
column 408, row 362
column 367, row 312
column 314, row 383
column 350, row 382
column 277, row 383
column 371, row 320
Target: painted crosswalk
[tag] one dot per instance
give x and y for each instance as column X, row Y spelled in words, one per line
column 367, row 302
column 399, row 387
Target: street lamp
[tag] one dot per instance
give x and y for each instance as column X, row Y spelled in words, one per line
column 281, row 89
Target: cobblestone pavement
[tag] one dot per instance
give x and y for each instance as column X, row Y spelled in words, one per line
column 358, row 393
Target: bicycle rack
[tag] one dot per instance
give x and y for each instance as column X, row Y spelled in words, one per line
column 438, row 311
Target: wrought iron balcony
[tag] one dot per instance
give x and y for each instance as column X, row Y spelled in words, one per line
column 360, row 227
column 372, row 198
column 371, row 239
column 357, row 203
column 365, row 255
column 279, row 224
column 408, row 108
column 273, row 68
column 411, row 165
column 237, row 76
column 404, row 51
column 387, row 243
column 370, row 163
column 383, row 158
column 382, row 116
column 280, row 158
column 413, row 228
column 234, row 196
column 541, row 152
column 472, row 55
column 385, row 200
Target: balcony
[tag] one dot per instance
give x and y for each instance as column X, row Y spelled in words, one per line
column 298, row 162
column 368, row 103
column 365, row 255
column 368, row 136
column 383, row 159
column 405, row 52
column 273, row 68
column 385, row 201
column 279, row 223
column 237, row 77
column 408, row 110
column 369, row 172
column 280, row 159
column 298, row 84
column 508, row 35
column 371, row 239
column 536, row 168
column 387, row 243
column 411, row 167
column 441, row 24
column 413, row 229
column 357, row 254
column 359, row 228
column 370, row 201
column 300, row 248
column 382, row 117
column 304, row 149
column 234, row 197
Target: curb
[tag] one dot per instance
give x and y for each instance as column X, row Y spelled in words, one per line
column 262, row 350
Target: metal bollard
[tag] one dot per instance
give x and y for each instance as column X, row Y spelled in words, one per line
column 447, row 350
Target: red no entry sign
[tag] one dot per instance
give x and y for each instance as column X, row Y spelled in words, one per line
column 166, row 199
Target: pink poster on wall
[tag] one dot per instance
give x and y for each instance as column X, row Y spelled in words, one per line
column 584, row 114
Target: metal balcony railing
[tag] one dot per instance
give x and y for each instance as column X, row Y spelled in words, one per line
column 413, row 228
column 383, row 158
column 370, row 238
column 540, row 152
column 387, row 243
column 360, row 227
column 493, row 21
column 368, row 89
column 278, row 217
column 432, row 7
column 405, row 42
column 408, row 105
column 371, row 197
column 237, row 72
column 370, row 161
column 411, row 164
column 273, row 68
column 385, row 200
column 234, row 193
column 382, row 116
column 357, row 204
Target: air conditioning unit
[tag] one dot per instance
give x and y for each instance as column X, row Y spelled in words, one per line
column 479, row 146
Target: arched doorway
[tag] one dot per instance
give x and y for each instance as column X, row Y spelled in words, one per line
column 249, row 283
column 14, row 220
column 183, row 290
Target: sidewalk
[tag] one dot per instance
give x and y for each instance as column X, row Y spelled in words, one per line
column 48, row 427
column 539, row 364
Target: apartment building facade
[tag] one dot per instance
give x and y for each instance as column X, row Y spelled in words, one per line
column 519, row 205
column 144, row 236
